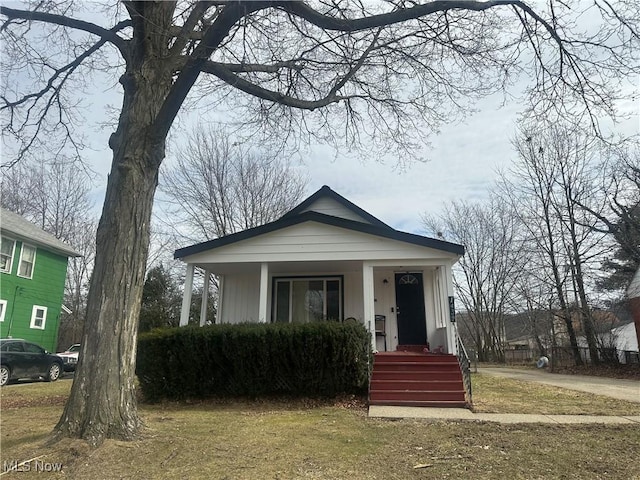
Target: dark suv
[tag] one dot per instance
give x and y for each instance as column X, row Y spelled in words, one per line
column 22, row 359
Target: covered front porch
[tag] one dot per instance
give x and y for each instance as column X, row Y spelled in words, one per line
column 400, row 302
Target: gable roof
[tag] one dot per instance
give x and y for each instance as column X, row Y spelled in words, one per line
column 300, row 215
column 15, row 226
column 326, row 192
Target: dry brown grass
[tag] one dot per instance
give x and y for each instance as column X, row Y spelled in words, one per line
column 296, row 440
column 493, row 394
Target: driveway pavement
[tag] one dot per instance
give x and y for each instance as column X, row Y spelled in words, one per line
column 611, row 387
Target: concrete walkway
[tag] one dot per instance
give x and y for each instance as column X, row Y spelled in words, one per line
column 612, row 387
column 619, row 389
column 428, row 413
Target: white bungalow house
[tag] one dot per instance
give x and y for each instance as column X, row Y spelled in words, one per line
column 327, row 259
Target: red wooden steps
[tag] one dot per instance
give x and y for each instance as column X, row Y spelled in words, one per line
column 413, row 378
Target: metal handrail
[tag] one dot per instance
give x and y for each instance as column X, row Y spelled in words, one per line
column 465, row 367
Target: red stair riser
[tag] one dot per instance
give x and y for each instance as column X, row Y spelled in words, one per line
column 411, row 403
column 416, row 376
column 392, row 395
column 401, row 357
column 414, row 367
column 428, row 385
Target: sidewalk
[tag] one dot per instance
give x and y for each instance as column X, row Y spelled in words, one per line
column 378, row 411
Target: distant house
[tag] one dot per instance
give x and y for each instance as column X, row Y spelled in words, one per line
column 633, row 294
column 33, row 267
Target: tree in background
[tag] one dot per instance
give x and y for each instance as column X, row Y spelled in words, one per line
column 217, row 187
column 621, row 220
column 161, row 300
column 488, row 271
column 386, row 72
column 554, row 174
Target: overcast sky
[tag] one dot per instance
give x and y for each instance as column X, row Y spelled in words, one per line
column 461, row 165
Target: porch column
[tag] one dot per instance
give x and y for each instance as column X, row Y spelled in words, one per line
column 220, row 298
column 369, row 303
column 264, row 286
column 186, row 295
column 205, row 299
column 452, row 346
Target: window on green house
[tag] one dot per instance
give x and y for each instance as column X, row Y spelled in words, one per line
column 7, row 247
column 38, row 317
column 3, row 309
column 302, row 300
column 27, row 261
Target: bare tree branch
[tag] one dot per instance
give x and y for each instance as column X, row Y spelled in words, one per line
column 109, row 35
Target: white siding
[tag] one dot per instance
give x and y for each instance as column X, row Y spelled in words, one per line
column 329, row 206
column 241, row 296
column 385, row 304
column 353, row 296
column 311, row 241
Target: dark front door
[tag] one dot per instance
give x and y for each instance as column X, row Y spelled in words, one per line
column 412, row 328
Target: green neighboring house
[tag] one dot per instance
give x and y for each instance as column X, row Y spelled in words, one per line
column 33, row 268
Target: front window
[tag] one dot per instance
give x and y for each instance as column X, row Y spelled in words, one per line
column 27, row 260
column 38, row 317
column 7, row 247
column 302, row 300
column 3, row 309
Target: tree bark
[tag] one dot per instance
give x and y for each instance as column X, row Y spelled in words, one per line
column 106, row 368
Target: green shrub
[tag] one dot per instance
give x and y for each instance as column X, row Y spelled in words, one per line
column 313, row 359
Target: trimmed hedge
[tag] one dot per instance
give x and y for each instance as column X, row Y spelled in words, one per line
column 312, row 359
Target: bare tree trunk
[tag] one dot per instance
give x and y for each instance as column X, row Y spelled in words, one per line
column 106, row 368
column 114, row 301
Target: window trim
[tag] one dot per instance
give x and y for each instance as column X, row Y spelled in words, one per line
column 13, row 254
column 290, row 278
column 3, row 312
column 34, row 310
column 33, row 265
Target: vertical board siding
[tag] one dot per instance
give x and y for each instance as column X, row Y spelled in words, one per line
column 241, row 297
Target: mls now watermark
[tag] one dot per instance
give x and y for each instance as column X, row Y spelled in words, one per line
column 33, row 465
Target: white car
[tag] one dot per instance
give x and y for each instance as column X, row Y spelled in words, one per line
column 70, row 357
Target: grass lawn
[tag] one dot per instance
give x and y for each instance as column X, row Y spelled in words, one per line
column 504, row 395
column 307, row 440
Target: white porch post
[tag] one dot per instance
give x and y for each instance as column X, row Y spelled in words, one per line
column 369, row 302
column 264, row 286
column 205, row 299
column 186, row 296
column 452, row 346
column 220, row 298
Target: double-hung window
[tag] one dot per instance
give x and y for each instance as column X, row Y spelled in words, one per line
column 27, row 261
column 309, row 299
column 38, row 317
column 7, row 247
